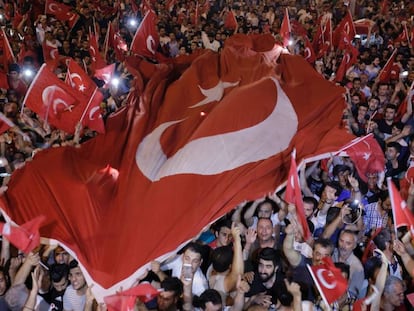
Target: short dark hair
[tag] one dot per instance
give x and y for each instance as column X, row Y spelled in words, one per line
column 334, row 185
column 173, row 284
column 371, row 265
column 209, row 295
column 195, row 247
column 268, row 253
column 58, row 271
column 325, row 243
column 391, row 106
column 222, row 258
column 73, row 264
column 222, row 222
column 344, row 268
column 311, row 200
column 394, row 145
column 383, row 195
column 382, row 238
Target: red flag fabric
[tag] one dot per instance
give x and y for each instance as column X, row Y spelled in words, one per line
column 230, row 21
column 146, row 39
column 97, row 59
column 4, row 83
column 125, row 300
column 298, row 29
column 329, row 280
column 25, row 237
column 367, row 155
column 412, row 36
column 346, row 26
column 384, row 7
column 363, row 26
column 309, row 53
column 134, row 7
column 343, row 67
column 50, row 52
column 293, row 195
column 78, row 78
column 403, row 217
column 88, row 95
column 285, row 29
column 53, row 100
column 92, row 115
column 402, row 108
column 105, row 74
column 327, row 34
column 164, row 153
column 62, row 12
column 17, row 17
column 169, row 5
column 318, row 36
column 5, row 123
column 117, row 43
column 8, row 56
column 385, row 74
column 403, row 36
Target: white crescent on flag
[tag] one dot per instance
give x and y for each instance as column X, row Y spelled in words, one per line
column 94, row 111
column 193, row 158
column 53, row 7
column 150, row 42
column 50, row 96
column 307, row 53
column 324, row 282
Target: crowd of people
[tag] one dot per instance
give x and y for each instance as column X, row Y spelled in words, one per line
column 256, row 257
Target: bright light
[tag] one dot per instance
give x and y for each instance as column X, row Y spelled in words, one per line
column 290, row 42
column 28, row 73
column 132, row 22
column 1, row 17
column 115, row 82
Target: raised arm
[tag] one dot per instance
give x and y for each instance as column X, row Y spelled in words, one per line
column 237, row 266
column 291, row 254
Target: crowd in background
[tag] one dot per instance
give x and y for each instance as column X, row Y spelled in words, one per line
column 255, row 257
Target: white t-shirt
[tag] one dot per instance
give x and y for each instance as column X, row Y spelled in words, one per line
column 72, row 301
column 200, row 283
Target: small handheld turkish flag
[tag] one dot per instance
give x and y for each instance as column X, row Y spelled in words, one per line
column 294, row 195
column 329, row 280
column 367, row 155
column 26, row 237
column 125, row 300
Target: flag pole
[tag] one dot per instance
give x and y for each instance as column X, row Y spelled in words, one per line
column 389, row 59
column 319, row 288
column 87, row 106
column 389, row 181
column 106, row 43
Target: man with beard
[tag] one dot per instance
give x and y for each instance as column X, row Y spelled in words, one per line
column 267, row 279
column 344, row 253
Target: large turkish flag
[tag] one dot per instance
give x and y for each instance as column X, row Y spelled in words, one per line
column 190, row 149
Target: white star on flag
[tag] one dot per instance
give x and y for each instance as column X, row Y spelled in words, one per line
column 82, row 88
column 366, row 155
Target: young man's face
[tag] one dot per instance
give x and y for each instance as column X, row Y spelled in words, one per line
column 223, row 236
column 166, row 300
column 192, row 258
column 266, row 269
column 76, row 278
